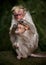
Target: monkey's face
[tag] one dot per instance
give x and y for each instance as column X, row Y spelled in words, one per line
column 19, row 14
column 20, row 28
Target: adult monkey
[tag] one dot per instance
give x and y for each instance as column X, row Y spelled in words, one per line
column 20, row 14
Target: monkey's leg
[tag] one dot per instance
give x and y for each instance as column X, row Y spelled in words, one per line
column 23, row 50
column 19, row 54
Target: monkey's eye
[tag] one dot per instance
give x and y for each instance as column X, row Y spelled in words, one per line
column 17, row 15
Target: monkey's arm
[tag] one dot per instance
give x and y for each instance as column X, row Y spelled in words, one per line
column 13, row 21
column 12, row 31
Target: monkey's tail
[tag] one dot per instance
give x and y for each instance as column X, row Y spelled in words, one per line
column 38, row 55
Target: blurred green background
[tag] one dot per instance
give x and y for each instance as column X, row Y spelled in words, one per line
column 37, row 10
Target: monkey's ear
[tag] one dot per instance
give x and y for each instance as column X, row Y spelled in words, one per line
column 12, row 10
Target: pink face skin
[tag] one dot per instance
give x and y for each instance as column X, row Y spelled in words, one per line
column 19, row 15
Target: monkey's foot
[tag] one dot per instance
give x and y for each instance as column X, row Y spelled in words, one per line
column 19, row 57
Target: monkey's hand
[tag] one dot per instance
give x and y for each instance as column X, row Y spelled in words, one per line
column 12, row 31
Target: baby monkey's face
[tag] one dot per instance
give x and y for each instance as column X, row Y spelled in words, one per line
column 21, row 28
